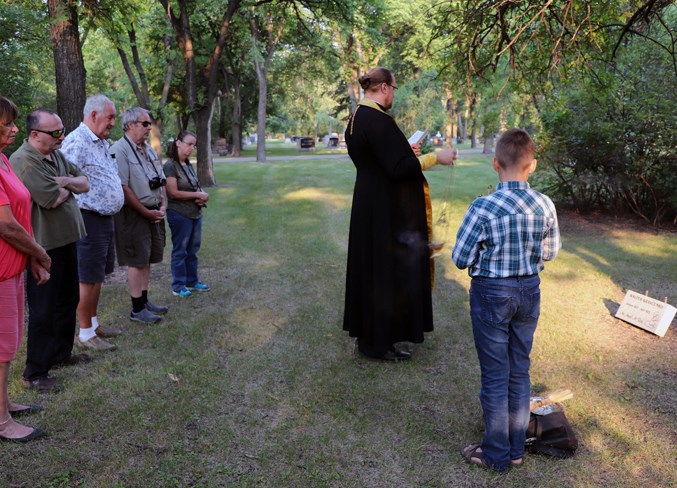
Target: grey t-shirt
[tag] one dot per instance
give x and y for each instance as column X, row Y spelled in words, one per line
column 136, row 166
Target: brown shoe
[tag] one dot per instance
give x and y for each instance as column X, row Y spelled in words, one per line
column 75, row 359
column 44, row 383
column 102, row 331
column 96, row 343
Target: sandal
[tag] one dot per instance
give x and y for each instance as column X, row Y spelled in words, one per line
column 473, row 455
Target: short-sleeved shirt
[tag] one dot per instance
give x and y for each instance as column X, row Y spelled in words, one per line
column 16, row 195
column 53, row 227
column 137, row 165
column 186, row 180
column 89, row 153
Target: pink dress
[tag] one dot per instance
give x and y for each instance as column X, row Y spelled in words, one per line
column 12, row 263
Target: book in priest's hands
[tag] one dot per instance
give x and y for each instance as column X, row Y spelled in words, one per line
column 418, row 137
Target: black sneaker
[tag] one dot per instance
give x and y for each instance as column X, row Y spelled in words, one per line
column 145, row 316
column 156, row 309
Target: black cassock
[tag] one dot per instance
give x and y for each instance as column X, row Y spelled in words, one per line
column 388, row 286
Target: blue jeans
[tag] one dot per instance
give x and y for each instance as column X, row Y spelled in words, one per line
column 186, row 240
column 504, row 314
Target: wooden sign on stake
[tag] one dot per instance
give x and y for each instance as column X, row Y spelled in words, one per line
column 646, row 313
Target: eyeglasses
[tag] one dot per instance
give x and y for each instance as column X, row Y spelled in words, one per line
column 145, row 123
column 394, row 86
column 191, row 144
column 54, row 133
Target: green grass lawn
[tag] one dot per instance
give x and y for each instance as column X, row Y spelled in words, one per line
column 280, row 148
column 255, row 383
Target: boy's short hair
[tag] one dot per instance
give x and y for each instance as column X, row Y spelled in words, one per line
column 515, row 146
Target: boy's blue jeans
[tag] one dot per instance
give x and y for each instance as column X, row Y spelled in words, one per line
column 186, row 241
column 504, row 314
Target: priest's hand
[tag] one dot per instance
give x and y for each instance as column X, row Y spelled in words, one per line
column 447, row 156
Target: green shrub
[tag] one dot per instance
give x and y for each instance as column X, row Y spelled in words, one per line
column 610, row 140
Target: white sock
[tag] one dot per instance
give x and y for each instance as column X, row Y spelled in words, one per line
column 95, row 323
column 86, row 334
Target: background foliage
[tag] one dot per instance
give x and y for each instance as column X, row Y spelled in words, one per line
column 595, row 82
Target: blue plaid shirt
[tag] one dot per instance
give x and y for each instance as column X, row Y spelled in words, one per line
column 508, row 233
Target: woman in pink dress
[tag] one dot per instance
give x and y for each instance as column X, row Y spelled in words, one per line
column 17, row 246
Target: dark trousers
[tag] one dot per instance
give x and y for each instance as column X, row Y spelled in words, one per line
column 51, row 313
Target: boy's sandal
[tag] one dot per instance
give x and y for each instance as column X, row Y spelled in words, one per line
column 473, row 455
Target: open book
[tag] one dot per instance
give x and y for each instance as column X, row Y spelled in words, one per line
column 418, row 137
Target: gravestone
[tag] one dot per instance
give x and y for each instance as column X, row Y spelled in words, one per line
column 646, row 313
column 306, row 144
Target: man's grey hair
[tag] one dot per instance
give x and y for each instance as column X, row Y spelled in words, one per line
column 96, row 103
column 132, row 115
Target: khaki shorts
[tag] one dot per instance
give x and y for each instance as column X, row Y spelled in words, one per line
column 138, row 241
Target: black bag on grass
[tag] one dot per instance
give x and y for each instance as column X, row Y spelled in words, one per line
column 551, row 435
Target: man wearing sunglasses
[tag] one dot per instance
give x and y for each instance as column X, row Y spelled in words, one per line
column 57, row 223
column 140, row 225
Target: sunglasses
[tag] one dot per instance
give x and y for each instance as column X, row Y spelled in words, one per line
column 54, row 133
column 145, row 123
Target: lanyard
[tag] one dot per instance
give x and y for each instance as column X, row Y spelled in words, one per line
column 139, row 159
column 194, row 183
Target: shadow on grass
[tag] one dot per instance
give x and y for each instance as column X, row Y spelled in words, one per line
column 304, row 368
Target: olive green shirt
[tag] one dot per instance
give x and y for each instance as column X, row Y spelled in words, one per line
column 186, row 180
column 52, row 227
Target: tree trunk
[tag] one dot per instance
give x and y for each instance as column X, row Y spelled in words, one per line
column 261, row 65
column 68, row 63
column 236, row 119
column 354, row 89
column 261, row 115
column 156, row 136
column 488, row 142
column 473, row 120
column 221, row 131
column 451, row 116
column 203, row 125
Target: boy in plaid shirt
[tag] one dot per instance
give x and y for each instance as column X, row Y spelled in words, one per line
column 503, row 240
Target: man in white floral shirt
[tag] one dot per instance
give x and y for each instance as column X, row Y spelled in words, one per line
column 87, row 148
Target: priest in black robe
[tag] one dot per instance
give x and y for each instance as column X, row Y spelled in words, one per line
column 389, row 273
